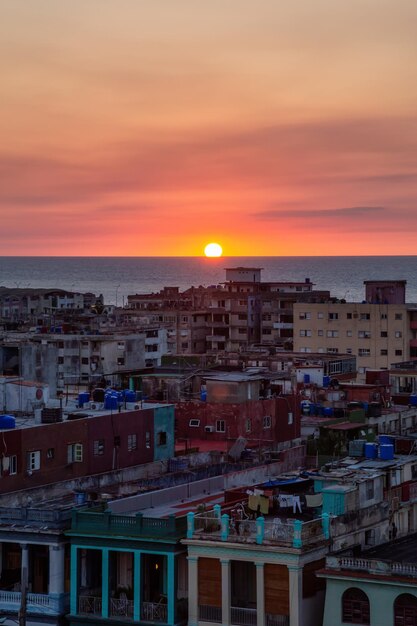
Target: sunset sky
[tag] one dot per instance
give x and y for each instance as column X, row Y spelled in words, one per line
column 151, row 127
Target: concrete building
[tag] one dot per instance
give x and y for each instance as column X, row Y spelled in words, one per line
column 378, row 331
column 229, row 317
column 376, row 587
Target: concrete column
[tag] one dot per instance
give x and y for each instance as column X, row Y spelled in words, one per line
column 260, row 594
column 56, row 569
column 171, row 588
column 192, row 590
column 105, row 583
column 226, row 591
column 296, row 595
column 137, row 586
column 24, row 562
column 74, row 580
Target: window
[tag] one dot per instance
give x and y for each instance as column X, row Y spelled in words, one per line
column 12, row 465
column 120, row 360
column 333, row 316
column 398, row 316
column 384, row 333
column 248, row 425
column 194, row 423
column 162, row 438
column 120, row 345
column 332, row 333
column 320, row 315
column 370, row 490
column 348, row 333
column 364, row 352
column 305, row 333
column 332, row 350
column 384, row 352
column 364, row 334
column 84, row 360
column 320, row 333
column 75, row 453
column 98, row 447
column 398, row 353
column 220, row 426
column 384, row 316
column 398, row 334
column 349, row 350
column 242, row 317
column 306, row 315
column 147, row 440
column 132, row 442
column 184, row 345
column 405, row 610
column 50, row 453
column 60, row 360
column 267, row 421
column 349, row 316
column 365, row 316
column 290, row 417
column 242, row 331
column 355, row 607
column 33, row 461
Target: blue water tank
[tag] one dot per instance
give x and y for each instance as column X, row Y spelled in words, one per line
column 413, row 399
column 7, row 421
column 306, row 379
column 111, row 402
column 312, row 409
column 326, row 381
column 386, row 451
column 83, row 398
column 80, row 497
column 383, row 439
column 130, row 396
column 328, row 411
column 305, row 407
column 203, row 395
column 371, row 450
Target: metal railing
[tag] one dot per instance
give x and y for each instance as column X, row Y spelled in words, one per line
column 90, row 605
column 154, row 611
column 243, row 617
column 277, row 620
column 121, row 607
column 136, row 525
column 208, row 613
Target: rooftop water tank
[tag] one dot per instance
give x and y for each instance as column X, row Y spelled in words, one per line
column 413, row 399
column 7, row 421
column 386, row 451
column 371, row 450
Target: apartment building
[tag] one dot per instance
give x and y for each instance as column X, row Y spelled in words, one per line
column 231, row 316
column 379, row 331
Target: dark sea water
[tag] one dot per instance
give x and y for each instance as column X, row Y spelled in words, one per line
column 116, row 277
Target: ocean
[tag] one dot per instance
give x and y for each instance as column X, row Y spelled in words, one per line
column 117, row 277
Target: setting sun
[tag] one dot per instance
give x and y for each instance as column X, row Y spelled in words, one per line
column 213, row 249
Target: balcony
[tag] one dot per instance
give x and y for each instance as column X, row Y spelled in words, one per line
column 239, row 616
column 123, row 608
column 99, row 523
column 36, row 602
column 34, row 517
column 209, row 526
column 373, row 566
column 215, row 338
column 282, row 325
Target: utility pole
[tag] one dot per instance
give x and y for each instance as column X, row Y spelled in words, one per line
column 21, row 616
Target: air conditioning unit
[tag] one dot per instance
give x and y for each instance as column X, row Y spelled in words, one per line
column 208, row 429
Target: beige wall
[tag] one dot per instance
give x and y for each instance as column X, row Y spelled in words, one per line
column 354, row 328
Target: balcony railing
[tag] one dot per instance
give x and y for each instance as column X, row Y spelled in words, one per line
column 23, row 516
column 243, row 617
column 274, row 531
column 90, row 605
column 208, row 613
column 277, row 620
column 154, row 611
column 121, row 607
column 137, row 526
column 384, row 568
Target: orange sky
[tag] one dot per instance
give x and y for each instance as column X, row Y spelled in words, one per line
column 150, row 127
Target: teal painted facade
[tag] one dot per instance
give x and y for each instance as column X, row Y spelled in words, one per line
column 147, row 552
column 333, row 502
column 164, row 424
column 381, row 594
